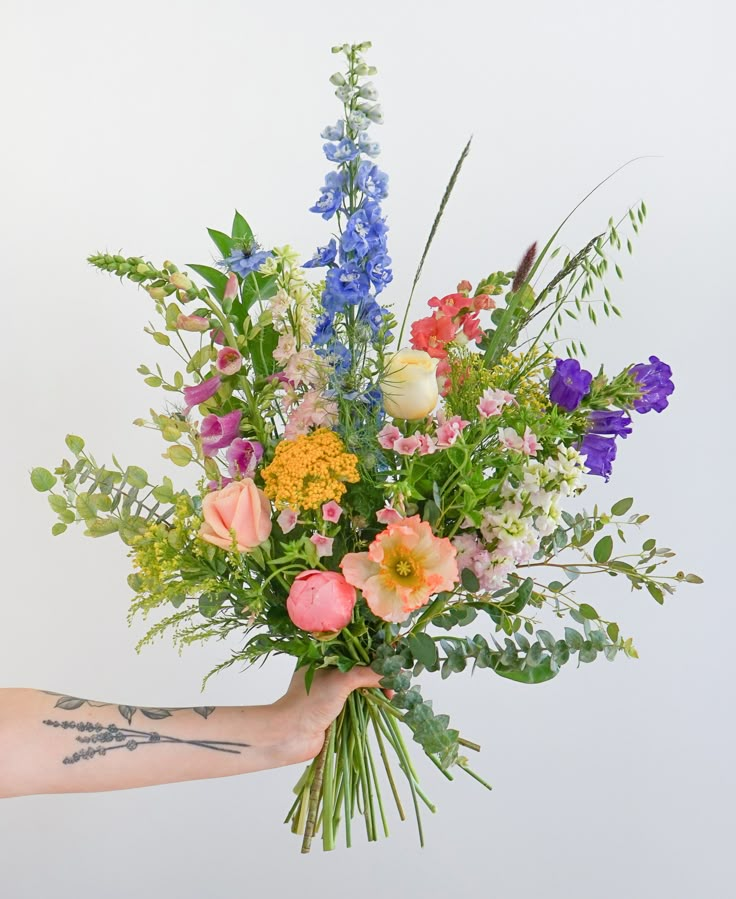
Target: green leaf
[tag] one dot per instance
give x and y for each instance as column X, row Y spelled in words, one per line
column 424, row 650
column 573, row 638
column 241, row 230
column 100, row 527
column 470, row 580
column 75, row 444
column 588, row 611
column 42, row 479
column 223, row 242
column 603, row 549
column 655, row 592
column 622, row 506
column 261, row 351
column 613, row 631
column 211, row 603
column 58, row 528
column 179, row 455
column 136, row 476
column 536, row 675
column 58, row 503
column 649, row 544
column 216, row 279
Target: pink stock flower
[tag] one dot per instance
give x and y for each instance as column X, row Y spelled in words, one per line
column 320, row 601
column 493, row 401
column 527, row 444
column 229, row 360
column 200, row 393
column 530, row 443
column 449, row 430
column 404, row 566
column 323, row 544
column 287, row 520
column 388, row 515
column 314, row 410
column 243, row 456
column 331, row 511
column 191, row 322
column 240, row 508
column 388, row 435
column 427, row 446
column 217, row 431
column 407, row 446
column 231, row 288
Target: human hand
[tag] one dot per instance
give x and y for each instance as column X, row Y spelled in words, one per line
column 304, row 717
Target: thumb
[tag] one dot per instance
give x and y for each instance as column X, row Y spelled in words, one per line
column 363, row 676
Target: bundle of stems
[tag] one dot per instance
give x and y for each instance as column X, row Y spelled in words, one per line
column 343, row 778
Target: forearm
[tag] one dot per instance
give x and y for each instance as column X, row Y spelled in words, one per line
column 55, row 744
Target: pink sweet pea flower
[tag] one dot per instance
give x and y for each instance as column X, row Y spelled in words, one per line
column 200, row 393
column 243, row 456
column 217, row 431
column 229, row 360
column 287, row 520
column 407, row 446
column 388, row 435
column 388, row 515
column 323, row 544
column 530, row 444
column 331, row 511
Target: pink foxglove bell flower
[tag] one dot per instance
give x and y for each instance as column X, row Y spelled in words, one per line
column 243, row 456
column 229, row 361
column 231, row 288
column 217, row 431
column 331, row 511
column 218, row 336
column 191, row 322
column 323, row 544
column 320, row 601
column 241, row 510
column 287, row 520
column 200, row 393
column 388, row 516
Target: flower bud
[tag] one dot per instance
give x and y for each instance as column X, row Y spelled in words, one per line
column 156, row 293
column 338, row 79
column 191, row 322
column 231, row 288
column 180, row 280
column 409, row 384
column 368, row 91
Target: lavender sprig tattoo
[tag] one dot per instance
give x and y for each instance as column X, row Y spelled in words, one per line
column 126, row 738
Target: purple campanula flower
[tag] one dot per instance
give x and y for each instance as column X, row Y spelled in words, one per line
column 372, row 181
column 569, row 384
column 322, row 255
column 331, row 196
column 613, row 422
column 217, row 431
column 201, row 392
column 599, row 452
column 654, row 381
column 243, row 456
column 345, row 151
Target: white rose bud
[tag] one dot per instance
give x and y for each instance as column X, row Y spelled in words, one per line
column 409, row 384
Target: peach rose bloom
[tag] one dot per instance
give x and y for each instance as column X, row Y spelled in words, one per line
column 320, row 601
column 241, row 506
column 404, row 566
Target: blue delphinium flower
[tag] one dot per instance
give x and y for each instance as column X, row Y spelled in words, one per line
column 243, row 263
column 324, row 330
column 356, row 236
column 372, row 313
column 346, row 285
column 569, row 384
column 322, row 256
column 613, row 422
column 338, row 355
column 372, row 181
column 331, row 196
column 344, row 151
column 654, row 381
column 367, row 146
column 599, row 452
column 377, row 269
column 334, row 132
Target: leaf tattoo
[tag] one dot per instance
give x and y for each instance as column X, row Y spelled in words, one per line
column 70, row 703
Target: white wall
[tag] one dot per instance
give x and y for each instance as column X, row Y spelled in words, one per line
column 133, row 126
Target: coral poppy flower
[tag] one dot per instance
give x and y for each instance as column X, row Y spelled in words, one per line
column 404, row 566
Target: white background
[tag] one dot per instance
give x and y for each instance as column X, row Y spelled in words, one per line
column 132, row 126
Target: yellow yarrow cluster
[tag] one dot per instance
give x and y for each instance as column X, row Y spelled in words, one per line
column 310, row 470
column 529, row 391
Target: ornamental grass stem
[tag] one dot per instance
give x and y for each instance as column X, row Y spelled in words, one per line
column 315, row 791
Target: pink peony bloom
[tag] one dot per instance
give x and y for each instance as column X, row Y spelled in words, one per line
column 388, row 435
column 388, row 516
column 240, row 509
column 331, row 511
column 407, row 446
column 404, row 566
column 243, row 456
column 217, row 431
column 320, row 601
column 287, row 520
column 323, row 544
column 191, row 322
column 229, row 360
column 231, row 288
column 200, row 393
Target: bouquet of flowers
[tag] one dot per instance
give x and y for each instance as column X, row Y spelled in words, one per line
column 364, row 501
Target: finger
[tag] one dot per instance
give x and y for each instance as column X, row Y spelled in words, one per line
column 363, row 676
